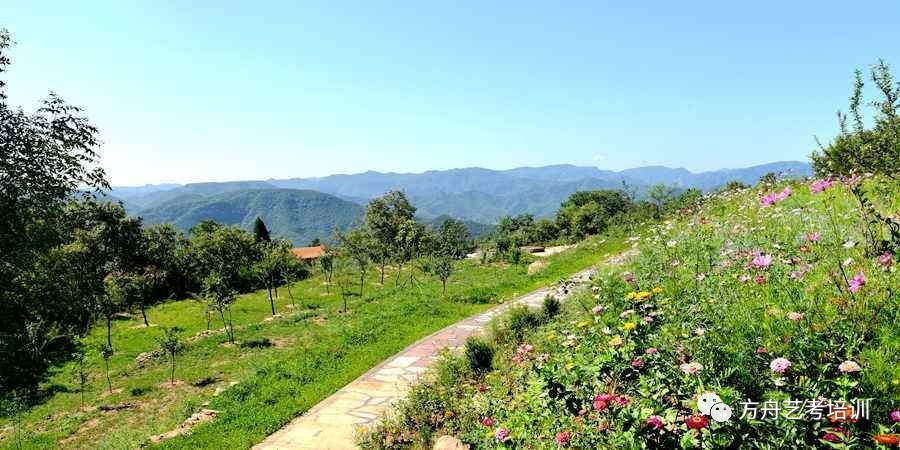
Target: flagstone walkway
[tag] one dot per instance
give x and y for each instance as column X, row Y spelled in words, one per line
column 333, row 423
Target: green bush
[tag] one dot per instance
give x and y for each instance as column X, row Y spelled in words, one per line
column 479, row 355
column 478, row 295
column 256, row 343
column 512, row 328
column 551, row 307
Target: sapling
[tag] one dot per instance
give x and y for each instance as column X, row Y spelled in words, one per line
column 170, row 344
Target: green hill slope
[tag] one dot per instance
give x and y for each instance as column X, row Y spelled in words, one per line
column 298, row 215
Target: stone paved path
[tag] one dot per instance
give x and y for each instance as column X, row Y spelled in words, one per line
column 333, row 423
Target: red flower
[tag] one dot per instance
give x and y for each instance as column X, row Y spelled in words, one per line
column 488, row 422
column 890, row 440
column 697, row 422
column 482, row 388
column 599, row 405
column 563, row 438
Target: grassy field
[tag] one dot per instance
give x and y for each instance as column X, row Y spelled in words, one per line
column 313, row 350
column 773, row 299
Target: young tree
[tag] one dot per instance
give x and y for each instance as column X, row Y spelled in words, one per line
column 326, row 262
column 220, row 297
column 107, row 352
column 660, row 194
column 273, row 258
column 81, row 368
column 443, row 268
column 384, row 217
column 453, row 239
column 356, row 245
column 411, row 238
column 170, row 344
column 260, row 231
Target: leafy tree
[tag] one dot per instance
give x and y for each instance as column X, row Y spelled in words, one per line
column 687, row 199
column 384, row 218
column 734, row 185
column 412, row 241
column 167, row 253
column 453, row 239
column 326, row 262
column 293, row 271
column 274, row 257
column 228, row 251
column 443, row 268
column 107, row 352
column 220, row 297
column 260, row 231
column 660, row 194
column 170, row 344
column 356, row 245
column 587, row 213
column 79, row 356
column 858, row 149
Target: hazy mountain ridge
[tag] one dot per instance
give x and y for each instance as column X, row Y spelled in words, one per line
column 474, row 194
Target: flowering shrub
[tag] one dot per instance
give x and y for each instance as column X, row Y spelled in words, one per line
column 742, row 301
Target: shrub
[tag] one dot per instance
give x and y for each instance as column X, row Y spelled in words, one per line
column 256, row 343
column 551, row 307
column 139, row 391
column 478, row 295
column 512, row 328
column 479, row 355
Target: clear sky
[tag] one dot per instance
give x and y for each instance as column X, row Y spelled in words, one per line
column 207, row 91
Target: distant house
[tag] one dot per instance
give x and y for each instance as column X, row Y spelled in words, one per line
column 310, row 254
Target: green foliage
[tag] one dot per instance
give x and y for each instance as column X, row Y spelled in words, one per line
column 229, row 252
column 220, row 297
column 587, row 213
column 453, row 239
column 479, row 355
column 858, row 149
column 260, row 232
column 551, row 307
column 512, row 328
column 170, row 344
column 660, row 194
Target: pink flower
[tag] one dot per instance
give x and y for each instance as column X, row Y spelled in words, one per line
column 563, row 437
column 886, row 259
column 760, row 279
column 655, row 421
column 814, row 236
column 622, row 400
column 502, row 435
column 599, row 405
column 849, row 366
column 651, row 351
column 604, row 397
column 761, row 350
column 744, row 278
column 768, row 200
column 762, row 261
column 637, row 363
column 597, row 310
column 525, row 349
column 895, row 415
column 691, row 368
column 793, row 315
column 779, row 365
column 819, row 185
column 488, row 422
column 785, row 193
column 857, row 282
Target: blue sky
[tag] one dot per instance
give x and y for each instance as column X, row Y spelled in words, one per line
column 254, row 90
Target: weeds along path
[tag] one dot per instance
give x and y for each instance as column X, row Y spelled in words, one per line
column 333, row 423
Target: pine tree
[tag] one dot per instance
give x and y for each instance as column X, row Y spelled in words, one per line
column 260, row 231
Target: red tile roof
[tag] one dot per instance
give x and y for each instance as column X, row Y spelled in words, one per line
column 309, row 252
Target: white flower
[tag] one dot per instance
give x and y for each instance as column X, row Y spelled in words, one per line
column 606, row 331
column 700, row 331
column 847, row 262
column 849, row 244
column 671, row 243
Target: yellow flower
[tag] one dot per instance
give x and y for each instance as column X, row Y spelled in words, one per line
column 630, row 295
column 641, row 296
column 569, row 366
column 657, row 290
column 551, row 337
column 616, row 341
column 628, row 326
column 583, row 324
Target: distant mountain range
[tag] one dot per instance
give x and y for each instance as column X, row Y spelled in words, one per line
column 305, row 208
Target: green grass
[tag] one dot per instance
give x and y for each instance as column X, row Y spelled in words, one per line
column 316, row 350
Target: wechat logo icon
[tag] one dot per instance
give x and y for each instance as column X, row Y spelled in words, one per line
column 711, row 405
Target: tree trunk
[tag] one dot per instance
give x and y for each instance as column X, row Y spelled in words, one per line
column 399, row 271
column 445, row 287
column 109, row 330
column 108, row 381
column 144, row 314
column 383, row 261
column 173, row 369
column 362, row 283
column 271, row 301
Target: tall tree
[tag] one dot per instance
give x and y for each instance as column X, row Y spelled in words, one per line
column 384, row 217
column 453, row 239
column 47, row 158
column 260, row 231
column 660, row 194
column 220, row 297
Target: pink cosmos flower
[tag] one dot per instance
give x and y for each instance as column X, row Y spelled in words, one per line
column 691, row 368
column 779, row 365
column 768, row 200
column 563, row 437
column 895, row 415
column 502, row 435
column 604, row 397
column 857, row 282
column 886, row 259
column 651, row 351
column 849, row 366
column 637, row 363
column 655, row 421
column 793, row 315
column 622, row 400
column 525, row 349
column 762, row 261
column 814, row 236
column 760, row 350
column 488, row 422
column 785, row 193
column 820, row 185
column 597, row 310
